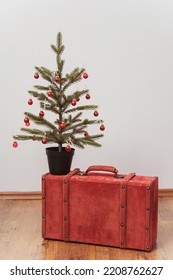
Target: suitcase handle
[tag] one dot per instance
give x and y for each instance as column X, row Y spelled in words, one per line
column 102, row 168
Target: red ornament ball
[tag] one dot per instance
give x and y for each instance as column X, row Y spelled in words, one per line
column 15, row 144
column 73, row 103
column 62, row 125
column 85, row 76
column 27, row 123
column 87, row 96
column 57, row 79
column 41, row 114
column 26, row 120
column 68, row 148
column 50, row 94
column 85, row 133
column 30, row 102
column 36, row 75
column 78, row 99
column 102, row 127
column 96, row 113
column 44, row 140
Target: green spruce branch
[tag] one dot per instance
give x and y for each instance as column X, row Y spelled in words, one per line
column 40, row 120
column 81, row 108
column 44, row 74
column 73, row 77
column 39, row 87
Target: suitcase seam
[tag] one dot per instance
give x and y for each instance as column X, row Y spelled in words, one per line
column 66, row 204
column 147, row 218
column 123, row 210
column 44, row 205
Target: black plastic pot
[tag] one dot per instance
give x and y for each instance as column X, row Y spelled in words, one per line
column 59, row 162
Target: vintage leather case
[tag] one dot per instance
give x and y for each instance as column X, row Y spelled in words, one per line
column 101, row 208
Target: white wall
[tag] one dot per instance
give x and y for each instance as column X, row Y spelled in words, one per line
column 126, row 47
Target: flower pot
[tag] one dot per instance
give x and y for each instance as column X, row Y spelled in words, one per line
column 59, row 162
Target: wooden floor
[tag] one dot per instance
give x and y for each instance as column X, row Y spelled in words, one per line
column 20, row 237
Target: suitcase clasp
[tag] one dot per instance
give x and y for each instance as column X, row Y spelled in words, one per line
column 81, row 173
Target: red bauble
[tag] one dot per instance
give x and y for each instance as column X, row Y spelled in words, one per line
column 27, row 123
column 57, row 79
column 62, row 125
column 85, row 76
column 36, row 75
column 87, row 96
column 44, row 140
column 26, row 120
column 68, row 148
column 50, row 94
column 85, row 133
column 41, row 114
column 102, row 127
column 15, row 144
column 78, row 99
column 73, row 103
column 96, row 113
column 30, row 102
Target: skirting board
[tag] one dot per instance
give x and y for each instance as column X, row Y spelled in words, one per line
column 20, row 195
column 165, row 192
column 38, row 195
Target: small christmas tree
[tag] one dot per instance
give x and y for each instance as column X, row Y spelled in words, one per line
column 68, row 127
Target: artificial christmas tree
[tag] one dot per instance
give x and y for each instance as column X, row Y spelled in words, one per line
column 68, row 129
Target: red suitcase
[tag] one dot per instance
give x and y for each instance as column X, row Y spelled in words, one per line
column 101, row 208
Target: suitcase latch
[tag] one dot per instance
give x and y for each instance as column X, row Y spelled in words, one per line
column 80, row 173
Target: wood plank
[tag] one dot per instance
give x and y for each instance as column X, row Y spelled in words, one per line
column 38, row 194
column 20, row 234
column 21, row 239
